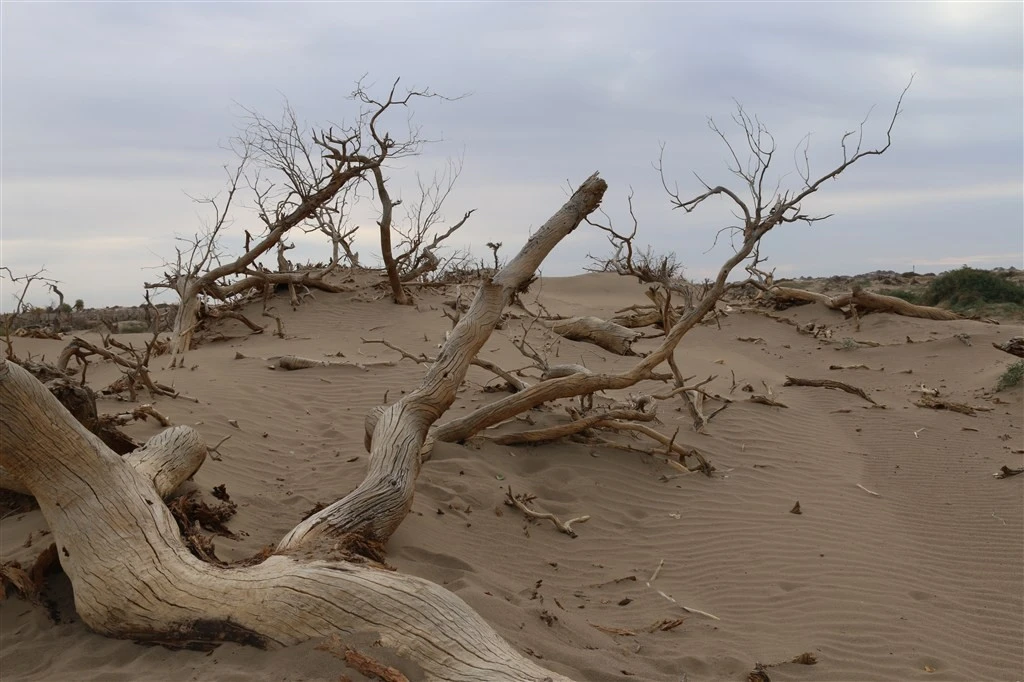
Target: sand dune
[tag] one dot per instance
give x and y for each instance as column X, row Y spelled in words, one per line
column 924, row 580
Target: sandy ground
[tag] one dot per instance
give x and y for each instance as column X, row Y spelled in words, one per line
column 923, row 581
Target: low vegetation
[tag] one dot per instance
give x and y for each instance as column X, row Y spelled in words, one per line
column 1013, row 376
column 969, row 291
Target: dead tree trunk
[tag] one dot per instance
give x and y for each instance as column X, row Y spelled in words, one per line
column 608, row 335
column 102, row 510
column 387, row 209
column 803, row 296
column 1014, row 346
column 185, row 321
column 891, row 304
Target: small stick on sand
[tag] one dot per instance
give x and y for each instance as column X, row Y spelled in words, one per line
column 870, row 492
column 766, row 400
column 684, row 608
column 1006, row 472
column 211, row 449
column 828, row 383
column 519, row 502
column 962, row 408
column 654, row 575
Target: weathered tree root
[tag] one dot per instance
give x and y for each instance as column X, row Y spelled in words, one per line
column 671, row 446
column 576, row 426
column 294, row 362
column 1007, row 472
column 766, row 400
column 521, row 501
column 1014, row 346
column 829, row 383
column 937, row 404
column 28, row 583
column 608, row 335
column 361, row 662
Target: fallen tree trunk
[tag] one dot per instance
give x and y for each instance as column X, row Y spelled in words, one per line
column 134, row 578
column 635, row 319
column 1014, row 346
column 891, row 304
column 865, row 301
column 803, row 296
column 608, row 335
column 829, row 383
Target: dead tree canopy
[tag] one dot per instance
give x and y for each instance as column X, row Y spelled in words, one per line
column 761, row 206
column 101, row 508
column 298, row 178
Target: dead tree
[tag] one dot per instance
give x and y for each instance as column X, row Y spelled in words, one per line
column 101, row 508
column 629, row 260
column 309, row 171
column 432, row 196
column 333, row 221
column 761, row 210
column 422, row 235
column 20, row 307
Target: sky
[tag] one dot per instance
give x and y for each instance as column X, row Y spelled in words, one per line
column 114, row 114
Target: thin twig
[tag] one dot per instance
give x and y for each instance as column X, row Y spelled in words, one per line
column 520, row 504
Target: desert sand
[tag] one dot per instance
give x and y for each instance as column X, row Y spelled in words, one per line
column 906, row 563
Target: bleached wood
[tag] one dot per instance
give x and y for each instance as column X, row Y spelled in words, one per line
column 608, row 335
column 133, row 576
column 378, row 505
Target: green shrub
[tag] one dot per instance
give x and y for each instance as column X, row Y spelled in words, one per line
column 906, row 294
column 132, row 327
column 971, row 287
column 1013, row 376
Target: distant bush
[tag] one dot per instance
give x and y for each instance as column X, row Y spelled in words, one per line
column 1013, row 376
column 971, row 287
column 906, row 294
column 133, row 326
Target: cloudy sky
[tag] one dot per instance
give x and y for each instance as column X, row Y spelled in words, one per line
column 112, row 112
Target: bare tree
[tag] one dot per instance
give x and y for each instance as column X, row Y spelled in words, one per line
column 308, row 171
column 423, row 234
column 764, row 209
column 386, row 147
column 20, row 306
column 333, row 221
column 626, row 259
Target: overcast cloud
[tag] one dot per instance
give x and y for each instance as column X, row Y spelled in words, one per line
column 111, row 112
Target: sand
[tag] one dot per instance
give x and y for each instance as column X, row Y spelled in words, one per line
column 922, row 581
